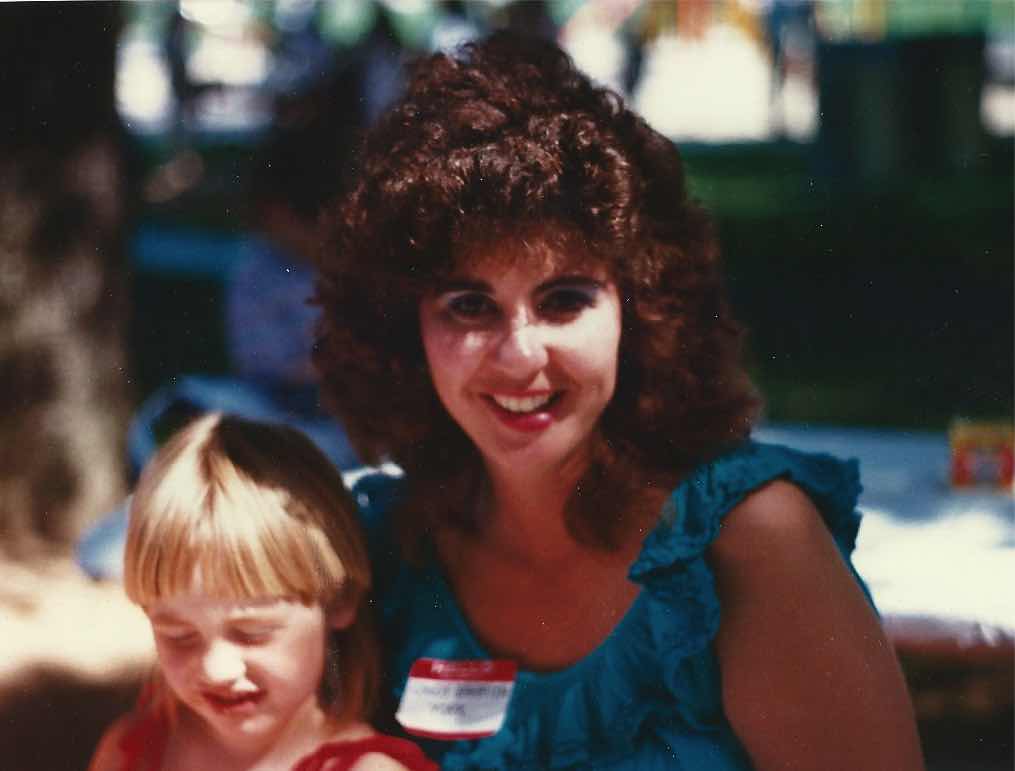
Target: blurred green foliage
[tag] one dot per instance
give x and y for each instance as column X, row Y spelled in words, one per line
column 886, row 304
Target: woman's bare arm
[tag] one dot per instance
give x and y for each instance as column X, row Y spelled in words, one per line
column 809, row 680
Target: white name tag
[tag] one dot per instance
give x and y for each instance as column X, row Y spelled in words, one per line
column 456, row 699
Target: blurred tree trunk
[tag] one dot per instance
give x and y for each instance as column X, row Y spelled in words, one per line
column 63, row 289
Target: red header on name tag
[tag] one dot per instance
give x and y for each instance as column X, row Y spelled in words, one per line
column 478, row 670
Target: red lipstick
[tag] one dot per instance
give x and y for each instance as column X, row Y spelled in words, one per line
column 535, row 421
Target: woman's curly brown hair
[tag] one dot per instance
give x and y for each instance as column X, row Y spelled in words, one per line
column 508, row 137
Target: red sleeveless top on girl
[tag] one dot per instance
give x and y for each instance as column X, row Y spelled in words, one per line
column 144, row 743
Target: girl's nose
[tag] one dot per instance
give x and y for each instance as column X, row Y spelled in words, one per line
column 222, row 663
column 522, row 350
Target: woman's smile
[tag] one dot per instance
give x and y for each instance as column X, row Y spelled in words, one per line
column 524, row 404
column 530, row 413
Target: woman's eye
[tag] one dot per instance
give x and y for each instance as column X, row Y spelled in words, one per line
column 566, row 302
column 471, row 306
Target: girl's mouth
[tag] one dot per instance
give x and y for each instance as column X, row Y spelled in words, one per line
column 232, row 703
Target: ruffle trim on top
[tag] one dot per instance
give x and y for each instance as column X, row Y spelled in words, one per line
column 672, row 565
column 691, row 516
column 656, row 669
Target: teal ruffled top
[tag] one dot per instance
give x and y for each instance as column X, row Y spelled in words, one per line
column 648, row 697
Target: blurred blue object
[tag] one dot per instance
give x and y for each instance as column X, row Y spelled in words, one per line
column 904, row 473
column 100, row 551
column 897, row 468
column 188, row 252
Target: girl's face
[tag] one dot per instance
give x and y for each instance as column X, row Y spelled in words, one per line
column 247, row 669
column 523, row 356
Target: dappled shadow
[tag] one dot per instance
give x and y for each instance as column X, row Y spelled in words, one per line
column 964, row 707
column 51, row 719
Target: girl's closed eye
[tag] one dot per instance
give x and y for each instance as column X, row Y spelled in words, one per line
column 260, row 634
column 177, row 638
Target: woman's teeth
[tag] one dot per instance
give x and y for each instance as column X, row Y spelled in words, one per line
column 522, row 403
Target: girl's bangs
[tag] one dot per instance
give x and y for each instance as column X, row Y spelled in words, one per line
column 237, row 546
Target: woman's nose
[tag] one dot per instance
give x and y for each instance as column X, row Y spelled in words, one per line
column 222, row 663
column 522, row 349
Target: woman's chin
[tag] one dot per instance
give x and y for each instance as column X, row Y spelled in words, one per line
column 534, row 453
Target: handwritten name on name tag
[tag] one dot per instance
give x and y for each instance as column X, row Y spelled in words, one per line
column 450, row 700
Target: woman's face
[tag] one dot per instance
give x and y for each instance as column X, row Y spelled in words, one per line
column 523, row 355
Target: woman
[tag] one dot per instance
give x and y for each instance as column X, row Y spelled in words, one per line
column 523, row 310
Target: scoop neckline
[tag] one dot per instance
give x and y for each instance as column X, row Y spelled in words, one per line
column 437, row 574
column 530, row 676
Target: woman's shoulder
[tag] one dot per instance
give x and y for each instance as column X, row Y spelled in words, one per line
column 729, row 479
column 771, row 520
column 763, row 480
column 752, row 503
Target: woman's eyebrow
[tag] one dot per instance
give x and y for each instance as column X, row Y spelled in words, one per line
column 570, row 280
column 461, row 285
column 473, row 285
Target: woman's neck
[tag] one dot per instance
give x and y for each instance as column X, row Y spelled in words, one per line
column 525, row 511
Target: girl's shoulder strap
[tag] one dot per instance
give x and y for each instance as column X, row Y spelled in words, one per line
column 136, row 742
column 108, row 756
column 341, row 756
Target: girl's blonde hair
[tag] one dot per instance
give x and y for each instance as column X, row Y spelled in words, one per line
column 256, row 510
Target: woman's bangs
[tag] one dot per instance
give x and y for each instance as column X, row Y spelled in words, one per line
column 557, row 247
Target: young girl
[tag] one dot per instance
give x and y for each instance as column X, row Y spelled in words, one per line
column 244, row 552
